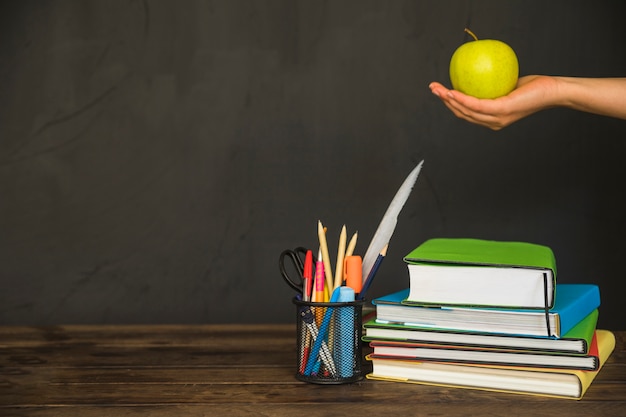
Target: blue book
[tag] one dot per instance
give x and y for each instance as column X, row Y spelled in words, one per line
column 573, row 303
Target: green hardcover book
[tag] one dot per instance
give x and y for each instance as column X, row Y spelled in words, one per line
column 482, row 273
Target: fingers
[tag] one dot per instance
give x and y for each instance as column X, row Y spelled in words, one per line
column 466, row 107
column 438, row 89
column 451, row 100
column 454, row 98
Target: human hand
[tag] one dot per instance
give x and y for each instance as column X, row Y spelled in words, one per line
column 533, row 93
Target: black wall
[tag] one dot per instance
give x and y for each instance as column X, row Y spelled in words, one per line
column 156, row 156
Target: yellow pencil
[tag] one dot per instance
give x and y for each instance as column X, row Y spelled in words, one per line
column 341, row 252
column 325, row 257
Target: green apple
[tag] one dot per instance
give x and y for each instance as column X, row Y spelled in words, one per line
column 485, row 68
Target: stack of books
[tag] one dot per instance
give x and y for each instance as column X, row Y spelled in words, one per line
column 488, row 315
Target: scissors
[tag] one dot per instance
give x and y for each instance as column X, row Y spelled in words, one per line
column 296, row 258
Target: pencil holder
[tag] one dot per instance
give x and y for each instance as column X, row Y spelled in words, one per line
column 329, row 341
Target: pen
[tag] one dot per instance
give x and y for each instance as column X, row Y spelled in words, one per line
column 370, row 276
column 322, row 348
column 322, row 334
column 306, row 349
column 319, row 278
column 307, row 276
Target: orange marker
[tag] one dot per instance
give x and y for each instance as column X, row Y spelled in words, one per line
column 353, row 272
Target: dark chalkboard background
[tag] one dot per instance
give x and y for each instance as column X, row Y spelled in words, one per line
column 156, row 156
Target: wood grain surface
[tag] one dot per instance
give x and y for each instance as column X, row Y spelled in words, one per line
column 233, row 370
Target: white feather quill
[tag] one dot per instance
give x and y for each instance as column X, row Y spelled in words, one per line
column 390, row 219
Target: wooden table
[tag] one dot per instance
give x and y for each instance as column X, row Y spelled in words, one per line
column 233, row 370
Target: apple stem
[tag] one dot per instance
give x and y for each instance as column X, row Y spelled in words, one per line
column 471, row 33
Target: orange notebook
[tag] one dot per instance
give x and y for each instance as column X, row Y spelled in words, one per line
column 561, row 383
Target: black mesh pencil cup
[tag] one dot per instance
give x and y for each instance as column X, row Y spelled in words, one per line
column 329, row 341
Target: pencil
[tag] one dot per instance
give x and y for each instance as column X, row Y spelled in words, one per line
column 372, row 274
column 352, row 244
column 325, row 257
column 341, row 252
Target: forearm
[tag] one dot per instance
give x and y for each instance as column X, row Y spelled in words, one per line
column 604, row 96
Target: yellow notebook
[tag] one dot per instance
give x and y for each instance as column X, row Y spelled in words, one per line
column 561, row 383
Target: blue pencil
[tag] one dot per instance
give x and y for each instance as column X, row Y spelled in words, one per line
column 372, row 274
